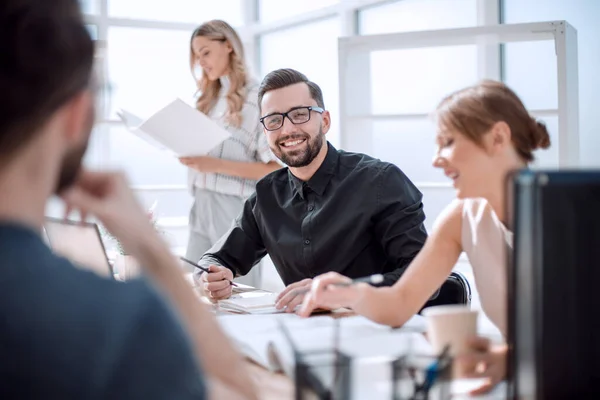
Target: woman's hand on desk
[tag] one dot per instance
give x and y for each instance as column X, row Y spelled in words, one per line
column 484, row 361
column 204, row 164
column 324, row 293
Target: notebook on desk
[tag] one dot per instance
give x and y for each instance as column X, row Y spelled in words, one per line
column 254, row 302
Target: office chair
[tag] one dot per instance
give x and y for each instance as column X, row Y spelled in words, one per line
column 455, row 290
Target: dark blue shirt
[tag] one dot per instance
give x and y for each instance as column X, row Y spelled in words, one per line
column 357, row 216
column 66, row 333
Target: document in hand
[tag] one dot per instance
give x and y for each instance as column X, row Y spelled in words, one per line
column 177, row 128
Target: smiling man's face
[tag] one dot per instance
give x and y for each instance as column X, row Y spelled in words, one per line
column 296, row 145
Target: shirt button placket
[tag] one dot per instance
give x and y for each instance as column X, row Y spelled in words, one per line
column 311, row 207
column 307, row 237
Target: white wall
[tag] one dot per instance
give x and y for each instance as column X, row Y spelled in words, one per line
column 584, row 15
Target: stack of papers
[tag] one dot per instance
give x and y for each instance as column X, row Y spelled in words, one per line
column 255, row 302
column 178, row 129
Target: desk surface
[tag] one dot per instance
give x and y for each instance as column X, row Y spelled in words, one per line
column 270, row 386
column 277, row 386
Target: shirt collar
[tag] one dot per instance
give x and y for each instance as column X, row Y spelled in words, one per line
column 225, row 83
column 321, row 178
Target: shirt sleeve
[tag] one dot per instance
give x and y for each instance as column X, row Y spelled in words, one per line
column 156, row 360
column 399, row 220
column 241, row 248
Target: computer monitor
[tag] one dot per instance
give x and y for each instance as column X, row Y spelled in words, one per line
column 80, row 242
column 554, row 285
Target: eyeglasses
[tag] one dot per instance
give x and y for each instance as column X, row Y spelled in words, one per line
column 298, row 115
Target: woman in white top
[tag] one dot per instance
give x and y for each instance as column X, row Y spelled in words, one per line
column 483, row 132
column 222, row 180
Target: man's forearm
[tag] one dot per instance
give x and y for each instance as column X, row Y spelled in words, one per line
column 212, row 348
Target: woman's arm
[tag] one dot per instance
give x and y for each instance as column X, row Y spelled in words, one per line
column 247, row 170
column 397, row 304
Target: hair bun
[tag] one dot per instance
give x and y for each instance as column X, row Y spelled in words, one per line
column 540, row 136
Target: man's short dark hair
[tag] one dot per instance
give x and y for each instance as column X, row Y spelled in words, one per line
column 46, row 58
column 285, row 77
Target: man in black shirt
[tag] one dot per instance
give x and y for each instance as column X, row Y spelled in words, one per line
column 330, row 210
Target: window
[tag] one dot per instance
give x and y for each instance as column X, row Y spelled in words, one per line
column 148, row 68
column 190, row 11
column 583, row 16
column 417, row 15
column 411, row 81
column 89, row 6
column 142, row 83
column 271, row 10
column 403, row 142
column 530, row 70
column 312, row 50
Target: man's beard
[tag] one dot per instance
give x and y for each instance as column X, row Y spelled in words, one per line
column 300, row 158
column 72, row 161
column 70, row 168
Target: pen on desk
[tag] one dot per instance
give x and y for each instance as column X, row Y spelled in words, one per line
column 434, row 370
column 373, row 279
column 202, row 268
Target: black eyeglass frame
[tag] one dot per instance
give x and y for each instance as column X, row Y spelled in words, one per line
column 285, row 115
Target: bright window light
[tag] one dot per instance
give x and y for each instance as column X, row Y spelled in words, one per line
column 89, row 6
column 530, row 70
column 147, row 69
column 417, row 15
column 411, row 81
column 271, row 10
column 189, row 11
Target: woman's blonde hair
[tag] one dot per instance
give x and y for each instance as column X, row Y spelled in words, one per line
column 238, row 76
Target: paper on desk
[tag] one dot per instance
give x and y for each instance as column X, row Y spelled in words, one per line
column 253, row 302
column 177, row 128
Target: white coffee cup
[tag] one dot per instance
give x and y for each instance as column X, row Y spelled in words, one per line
column 450, row 325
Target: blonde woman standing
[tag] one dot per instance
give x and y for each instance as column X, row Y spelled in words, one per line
column 223, row 179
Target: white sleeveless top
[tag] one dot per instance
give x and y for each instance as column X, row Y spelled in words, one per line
column 486, row 241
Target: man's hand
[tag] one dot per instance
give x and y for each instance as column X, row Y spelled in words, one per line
column 216, row 283
column 324, row 294
column 108, row 197
column 204, row 164
column 292, row 295
column 483, row 361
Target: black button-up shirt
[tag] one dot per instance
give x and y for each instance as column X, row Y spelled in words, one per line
column 357, row 215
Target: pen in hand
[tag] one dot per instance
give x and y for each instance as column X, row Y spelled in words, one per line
column 202, row 268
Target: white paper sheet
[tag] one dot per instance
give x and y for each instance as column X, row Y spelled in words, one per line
column 177, row 128
column 255, row 302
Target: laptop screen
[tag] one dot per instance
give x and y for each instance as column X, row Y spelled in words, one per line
column 80, row 243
